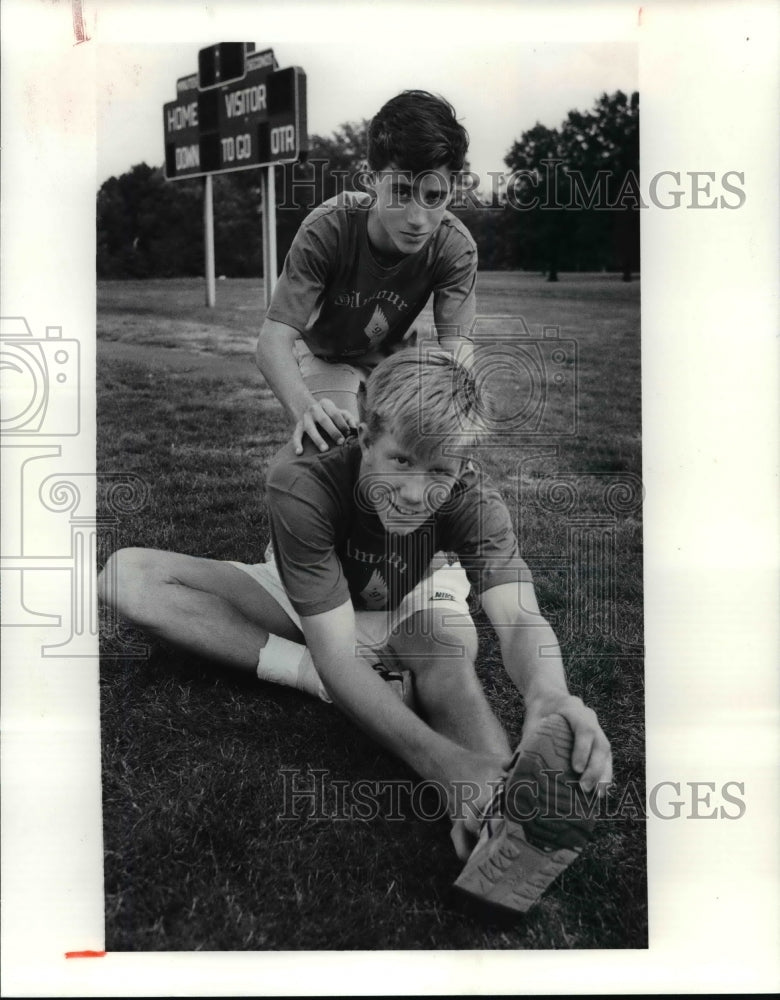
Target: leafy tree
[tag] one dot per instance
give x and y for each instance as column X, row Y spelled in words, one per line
column 574, row 191
column 532, row 191
column 602, row 156
column 238, row 224
column 339, row 160
column 147, row 227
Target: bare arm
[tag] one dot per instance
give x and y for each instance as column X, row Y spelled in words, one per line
column 454, row 311
column 276, row 361
column 532, row 659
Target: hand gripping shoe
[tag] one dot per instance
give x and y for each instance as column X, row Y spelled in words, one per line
column 540, row 826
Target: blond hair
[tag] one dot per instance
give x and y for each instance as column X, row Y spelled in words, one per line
column 426, row 400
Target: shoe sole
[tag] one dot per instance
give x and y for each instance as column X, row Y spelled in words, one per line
column 506, row 870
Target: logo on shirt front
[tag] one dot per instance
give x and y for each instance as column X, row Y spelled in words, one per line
column 377, row 327
column 374, row 593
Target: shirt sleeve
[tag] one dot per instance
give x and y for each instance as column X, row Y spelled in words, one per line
column 479, row 528
column 301, row 285
column 454, row 294
column 303, row 511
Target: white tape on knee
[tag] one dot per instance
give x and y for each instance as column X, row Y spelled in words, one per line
column 290, row 663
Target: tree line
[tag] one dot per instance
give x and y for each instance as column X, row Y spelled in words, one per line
column 568, row 201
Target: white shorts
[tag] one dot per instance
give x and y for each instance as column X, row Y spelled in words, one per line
column 322, row 377
column 446, row 588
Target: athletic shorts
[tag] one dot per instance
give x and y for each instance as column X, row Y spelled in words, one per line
column 447, row 588
column 322, row 377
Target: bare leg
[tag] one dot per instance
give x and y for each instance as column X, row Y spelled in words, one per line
column 441, row 658
column 204, row 606
column 339, row 383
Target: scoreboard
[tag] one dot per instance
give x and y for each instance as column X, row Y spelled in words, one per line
column 238, row 111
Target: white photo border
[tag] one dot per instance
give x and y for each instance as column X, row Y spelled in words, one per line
column 709, row 87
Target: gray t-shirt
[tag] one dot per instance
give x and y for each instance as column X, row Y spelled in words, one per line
column 346, row 304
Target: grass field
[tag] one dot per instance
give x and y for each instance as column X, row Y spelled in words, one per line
column 198, row 766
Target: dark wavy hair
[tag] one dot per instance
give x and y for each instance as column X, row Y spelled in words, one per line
column 417, row 131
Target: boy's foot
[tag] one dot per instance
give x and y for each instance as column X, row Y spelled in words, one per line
column 540, row 828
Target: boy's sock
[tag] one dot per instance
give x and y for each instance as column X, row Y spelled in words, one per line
column 290, row 663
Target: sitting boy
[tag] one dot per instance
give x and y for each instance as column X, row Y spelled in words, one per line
column 354, row 532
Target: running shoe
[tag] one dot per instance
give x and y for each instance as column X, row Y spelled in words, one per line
column 537, row 828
